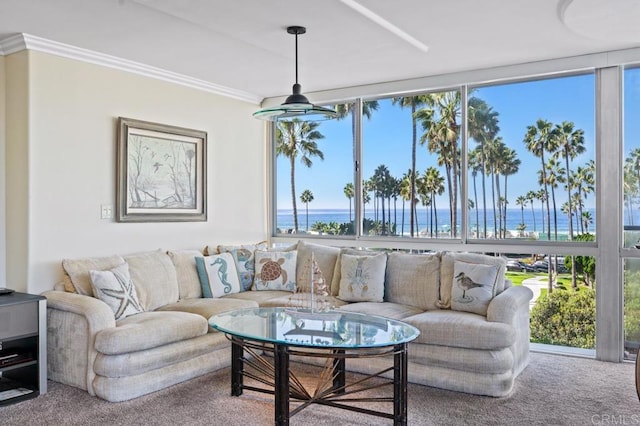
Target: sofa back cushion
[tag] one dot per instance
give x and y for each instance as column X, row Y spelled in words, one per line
column 326, row 258
column 447, row 272
column 413, row 279
column 188, row 281
column 77, row 271
column 155, row 278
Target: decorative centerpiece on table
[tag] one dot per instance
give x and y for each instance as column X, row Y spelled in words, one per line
column 316, row 298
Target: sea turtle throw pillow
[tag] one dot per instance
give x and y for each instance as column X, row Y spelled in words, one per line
column 473, row 287
column 275, row 270
column 218, row 275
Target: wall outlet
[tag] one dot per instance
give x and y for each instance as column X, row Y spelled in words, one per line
column 106, row 211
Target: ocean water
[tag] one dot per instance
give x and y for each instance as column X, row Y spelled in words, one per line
column 514, row 218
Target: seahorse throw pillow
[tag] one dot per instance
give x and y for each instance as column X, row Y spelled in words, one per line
column 362, row 278
column 473, row 287
column 218, row 275
column 275, row 270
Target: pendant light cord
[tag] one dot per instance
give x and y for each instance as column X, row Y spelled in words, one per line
column 296, row 58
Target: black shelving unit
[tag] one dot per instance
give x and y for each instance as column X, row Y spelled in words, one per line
column 23, row 348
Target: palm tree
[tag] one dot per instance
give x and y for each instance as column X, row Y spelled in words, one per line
column 433, row 184
column 538, row 141
column 349, row 192
column 522, row 202
column 510, row 166
column 298, row 138
column 570, row 143
column 554, row 174
column 405, row 193
column 395, row 193
column 586, row 220
column 475, row 166
column 306, row 197
column 412, row 102
column 381, row 178
column 585, row 183
column 531, row 195
column 483, row 126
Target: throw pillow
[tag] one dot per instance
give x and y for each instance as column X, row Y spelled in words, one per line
column 446, row 272
column 362, row 278
column 275, row 270
column 218, row 275
column 244, row 258
column 115, row 288
column 473, row 287
column 335, row 281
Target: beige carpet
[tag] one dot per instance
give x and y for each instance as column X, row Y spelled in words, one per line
column 553, row 390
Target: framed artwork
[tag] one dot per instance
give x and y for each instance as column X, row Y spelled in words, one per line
column 161, row 173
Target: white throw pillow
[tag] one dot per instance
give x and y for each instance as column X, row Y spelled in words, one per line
column 362, row 278
column 244, row 256
column 473, row 287
column 275, row 270
column 115, row 288
column 218, row 275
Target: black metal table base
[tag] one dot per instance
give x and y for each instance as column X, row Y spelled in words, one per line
column 332, row 388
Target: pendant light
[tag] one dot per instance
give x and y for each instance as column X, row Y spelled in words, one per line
column 296, row 105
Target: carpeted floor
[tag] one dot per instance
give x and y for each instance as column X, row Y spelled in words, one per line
column 552, row 390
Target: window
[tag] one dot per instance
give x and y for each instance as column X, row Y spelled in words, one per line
column 411, row 166
column 314, row 177
column 531, row 169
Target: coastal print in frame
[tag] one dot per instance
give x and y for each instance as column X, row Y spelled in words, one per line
column 161, row 173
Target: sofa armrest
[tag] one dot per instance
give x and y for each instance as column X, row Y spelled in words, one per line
column 508, row 304
column 73, row 320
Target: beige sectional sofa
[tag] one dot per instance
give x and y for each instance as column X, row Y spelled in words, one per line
column 170, row 341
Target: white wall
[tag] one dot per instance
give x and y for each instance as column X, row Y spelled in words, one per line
column 73, row 110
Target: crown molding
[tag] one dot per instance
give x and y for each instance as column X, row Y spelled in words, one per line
column 19, row 42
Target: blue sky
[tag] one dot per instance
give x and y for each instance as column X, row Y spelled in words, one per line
column 387, row 138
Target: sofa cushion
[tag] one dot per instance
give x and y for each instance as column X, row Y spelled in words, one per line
column 362, row 278
column 134, row 363
column 303, row 300
column 496, row 361
column 206, row 308
column 259, row 296
column 275, row 270
column 188, row 281
column 385, row 309
column 461, row 329
column 326, row 258
column 115, row 288
column 413, row 279
column 155, row 278
column 218, row 275
column 473, row 287
column 446, row 272
column 78, row 272
column 149, row 330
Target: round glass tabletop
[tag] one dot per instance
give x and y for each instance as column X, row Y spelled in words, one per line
column 302, row 327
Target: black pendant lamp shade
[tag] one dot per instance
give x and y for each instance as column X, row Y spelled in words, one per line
column 296, row 105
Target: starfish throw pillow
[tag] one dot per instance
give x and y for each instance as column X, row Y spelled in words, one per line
column 115, row 288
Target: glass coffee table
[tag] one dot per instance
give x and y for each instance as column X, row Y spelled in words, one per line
column 335, row 336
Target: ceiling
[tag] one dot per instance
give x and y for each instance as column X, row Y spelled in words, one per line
column 243, row 44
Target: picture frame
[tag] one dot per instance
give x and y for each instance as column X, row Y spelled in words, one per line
column 161, row 173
